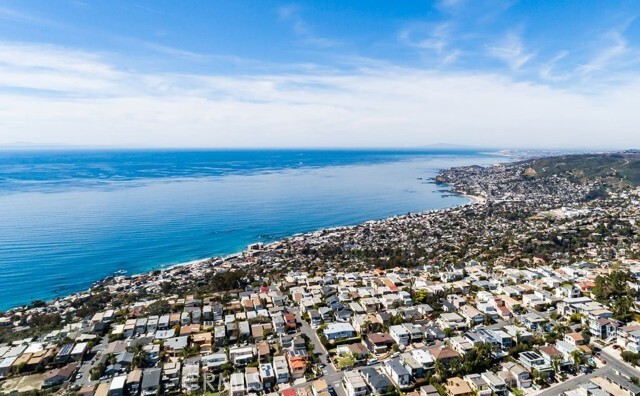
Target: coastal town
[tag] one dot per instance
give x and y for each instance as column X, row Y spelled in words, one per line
column 531, row 289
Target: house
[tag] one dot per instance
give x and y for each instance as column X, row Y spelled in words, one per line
column 566, row 349
column 378, row 343
column 443, row 354
column 398, row 374
column 478, row 385
column 326, row 313
column 456, row 386
column 190, row 377
column 415, row 332
column 424, row 358
column 471, row 315
column 151, row 381
column 214, row 361
column 174, row 346
column 429, row 390
column 415, row 368
column 461, row 345
column 337, row 331
column 314, row 317
column 354, row 384
column 241, row 356
column 237, row 385
column 521, row 375
column 451, row 320
column 89, row 391
column 550, row 354
column 252, row 380
column 533, row 361
column 102, row 389
column 134, row 379
column 78, row 351
column 603, row 328
column 504, row 340
column 278, row 324
column 534, row 322
column 319, row 387
column 290, row 321
column 281, row 369
column 59, row 376
column 517, row 333
column 377, row 381
column 629, row 337
column 297, row 365
column 171, row 376
column 399, row 334
column 574, row 339
column 496, row 384
column 267, row 375
column 117, row 385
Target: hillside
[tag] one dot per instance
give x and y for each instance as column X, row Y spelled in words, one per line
column 617, row 168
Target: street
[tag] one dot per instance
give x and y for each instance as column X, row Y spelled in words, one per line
column 613, row 364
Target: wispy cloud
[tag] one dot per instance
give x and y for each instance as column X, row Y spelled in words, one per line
column 547, row 70
column 426, row 36
column 512, row 51
column 16, row 15
column 434, row 40
column 103, row 104
column 616, row 48
column 303, row 31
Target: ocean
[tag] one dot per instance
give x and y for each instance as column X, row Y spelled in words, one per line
column 71, row 217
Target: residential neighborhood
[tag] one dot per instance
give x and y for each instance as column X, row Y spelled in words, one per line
column 522, row 294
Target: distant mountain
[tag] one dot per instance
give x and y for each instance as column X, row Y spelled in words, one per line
column 448, row 146
column 619, row 168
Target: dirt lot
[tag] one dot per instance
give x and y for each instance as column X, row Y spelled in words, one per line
column 23, row 384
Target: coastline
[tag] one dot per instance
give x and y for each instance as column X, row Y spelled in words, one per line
column 213, row 262
column 219, row 261
column 474, row 199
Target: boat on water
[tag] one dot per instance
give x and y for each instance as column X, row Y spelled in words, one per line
column 121, row 272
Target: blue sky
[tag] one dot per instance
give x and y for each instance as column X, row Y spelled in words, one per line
column 320, row 73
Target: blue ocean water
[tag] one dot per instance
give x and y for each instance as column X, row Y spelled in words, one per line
column 69, row 218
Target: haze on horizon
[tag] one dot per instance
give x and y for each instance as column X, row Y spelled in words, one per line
column 487, row 73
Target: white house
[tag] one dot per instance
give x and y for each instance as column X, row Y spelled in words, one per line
column 336, row 331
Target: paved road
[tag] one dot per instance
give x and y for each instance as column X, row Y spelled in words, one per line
column 574, row 382
column 83, row 376
column 318, row 348
column 613, row 364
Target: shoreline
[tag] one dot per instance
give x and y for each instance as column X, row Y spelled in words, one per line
column 219, row 261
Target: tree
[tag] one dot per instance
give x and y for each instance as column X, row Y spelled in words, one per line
column 555, row 364
column 577, row 358
column 347, row 360
column 441, row 370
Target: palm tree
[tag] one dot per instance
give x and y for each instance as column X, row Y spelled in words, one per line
column 440, row 369
column 555, row 364
column 577, row 358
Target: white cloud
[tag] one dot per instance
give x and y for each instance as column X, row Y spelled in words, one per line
column 512, row 51
column 547, row 70
column 616, row 49
column 426, row 36
column 304, row 33
column 382, row 105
